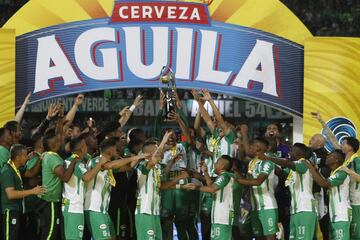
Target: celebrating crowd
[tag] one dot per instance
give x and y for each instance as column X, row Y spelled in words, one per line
column 74, row 183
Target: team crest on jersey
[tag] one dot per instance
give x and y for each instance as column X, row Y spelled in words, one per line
column 150, row 232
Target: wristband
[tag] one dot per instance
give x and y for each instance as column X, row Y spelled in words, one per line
column 132, row 108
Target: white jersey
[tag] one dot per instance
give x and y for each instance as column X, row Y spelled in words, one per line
column 354, row 164
column 98, row 190
column 73, row 190
column 300, row 183
column 222, row 211
column 263, row 197
column 170, row 154
column 339, row 203
column 148, row 194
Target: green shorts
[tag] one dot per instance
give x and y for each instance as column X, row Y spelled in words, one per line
column 340, row 230
column 264, row 222
column 355, row 222
column 148, row 227
column 73, row 225
column 221, row 232
column 174, row 204
column 303, row 225
column 100, row 225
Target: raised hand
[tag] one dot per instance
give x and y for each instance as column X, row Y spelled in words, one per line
column 195, row 95
column 125, row 112
column 316, row 115
column 204, row 168
column 52, row 111
column 244, row 129
column 138, row 101
column 206, row 95
column 173, row 116
column 162, row 100
column 79, row 99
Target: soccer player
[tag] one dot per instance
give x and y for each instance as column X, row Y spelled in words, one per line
column 5, row 143
column 338, row 184
column 147, row 213
column 261, row 173
column 349, row 147
column 98, row 190
column 223, row 200
column 12, row 192
column 73, row 191
column 300, row 182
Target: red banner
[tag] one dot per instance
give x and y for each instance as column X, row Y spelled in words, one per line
column 160, row 12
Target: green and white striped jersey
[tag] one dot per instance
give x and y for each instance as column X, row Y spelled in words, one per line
column 300, row 183
column 222, row 211
column 148, row 194
column 98, row 190
column 73, row 190
column 354, row 164
column 262, row 197
column 220, row 146
column 339, row 204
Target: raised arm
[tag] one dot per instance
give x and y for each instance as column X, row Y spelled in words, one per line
column 282, row 162
column 185, row 130
column 69, row 118
column 204, row 114
column 19, row 115
column 318, row 178
column 126, row 112
column 172, row 183
column 252, row 182
column 353, row 175
column 158, row 154
column 53, row 110
column 123, row 162
column 159, row 118
column 329, row 134
column 197, row 125
column 65, row 173
column 89, row 175
column 216, row 111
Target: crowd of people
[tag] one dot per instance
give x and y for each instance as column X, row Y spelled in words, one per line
column 73, row 183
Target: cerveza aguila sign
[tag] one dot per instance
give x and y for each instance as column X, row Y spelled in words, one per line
column 129, row 49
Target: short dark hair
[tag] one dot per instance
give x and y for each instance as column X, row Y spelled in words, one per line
column 111, row 127
column 16, row 149
column 11, row 125
column 339, row 154
column 46, row 140
column 353, row 143
column 302, row 148
column 135, row 133
column 262, row 140
column 107, row 143
column 229, row 161
column 75, row 143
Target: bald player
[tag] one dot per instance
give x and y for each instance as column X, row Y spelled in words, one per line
column 317, row 145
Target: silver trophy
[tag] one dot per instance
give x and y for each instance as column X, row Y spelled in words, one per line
column 167, row 77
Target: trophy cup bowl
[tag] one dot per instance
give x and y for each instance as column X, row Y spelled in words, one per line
column 167, row 77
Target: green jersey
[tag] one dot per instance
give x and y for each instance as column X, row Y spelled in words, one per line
column 300, row 182
column 74, row 191
column 9, row 178
column 50, row 181
column 262, row 197
column 4, row 155
column 31, row 201
column 223, row 200
column 148, row 195
column 339, row 196
column 97, row 196
column 354, row 164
